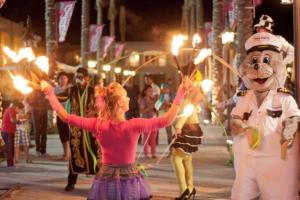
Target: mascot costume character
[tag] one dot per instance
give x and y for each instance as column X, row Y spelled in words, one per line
column 264, row 125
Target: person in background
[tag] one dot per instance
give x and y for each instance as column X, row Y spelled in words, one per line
column 133, row 93
column 266, row 24
column 39, row 114
column 63, row 129
column 155, row 88
column 147, row 109
column 165, row 100
column 22, row 133
column 8, row 130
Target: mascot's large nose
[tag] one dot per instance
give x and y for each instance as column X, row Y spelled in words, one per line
column 256, row 66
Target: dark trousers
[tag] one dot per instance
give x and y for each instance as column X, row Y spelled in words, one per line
column 63, row 130
column 39, row 122
column 169, row 133
column 72, row 178
column 9, row 147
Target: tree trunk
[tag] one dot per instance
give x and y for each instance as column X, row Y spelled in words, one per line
column 122, row 23
column 244, row 28
column 185, row 18
column 85, row 21
column 217, row 28
column 51, row 36
column 112, row 32
column 199, row 17
column 192, row 19
column 99, row 22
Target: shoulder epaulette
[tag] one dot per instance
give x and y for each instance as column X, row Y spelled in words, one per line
column 241, row 93
column 284, row 90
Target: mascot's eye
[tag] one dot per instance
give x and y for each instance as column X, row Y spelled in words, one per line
column 254, row 60
column 266, row 60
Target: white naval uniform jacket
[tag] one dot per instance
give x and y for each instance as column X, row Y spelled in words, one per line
column 267, row 119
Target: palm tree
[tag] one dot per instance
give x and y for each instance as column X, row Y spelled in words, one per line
column 185, row 17
column 217, row 28
column 85, row 20
column 122, row 23
column 199, row 17
column 99, row 22
column 192, row 18
column 112, row 12
column 244, row 27
column 51, row 41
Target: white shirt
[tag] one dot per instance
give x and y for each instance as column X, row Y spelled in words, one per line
column 156, row 90
column 288, row 50
column 270, row 127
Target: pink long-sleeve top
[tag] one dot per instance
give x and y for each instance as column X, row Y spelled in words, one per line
column 118, row 140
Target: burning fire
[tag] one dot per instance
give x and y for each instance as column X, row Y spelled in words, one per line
column 204, row 53
column 188, row 110
column 196, row 40
column 26, row 53
column 23, row 53
column 42, row 63
column 21, row 84
column 177, row 42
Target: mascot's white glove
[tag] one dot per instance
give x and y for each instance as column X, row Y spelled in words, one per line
column 289, row 130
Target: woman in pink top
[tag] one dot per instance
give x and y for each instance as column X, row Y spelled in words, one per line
column 118, row 178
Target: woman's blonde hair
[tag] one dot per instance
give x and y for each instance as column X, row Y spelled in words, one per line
column 106, row 100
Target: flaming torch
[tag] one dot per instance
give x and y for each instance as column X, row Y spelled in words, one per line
column 196, row 41
column 177, row 43
column 21, row 84
column 204, row 53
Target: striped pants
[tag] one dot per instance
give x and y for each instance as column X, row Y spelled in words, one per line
column 9, row 147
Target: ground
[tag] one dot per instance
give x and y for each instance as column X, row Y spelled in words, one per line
column 46, row 177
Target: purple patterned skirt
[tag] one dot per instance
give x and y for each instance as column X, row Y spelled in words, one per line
column 119, row 182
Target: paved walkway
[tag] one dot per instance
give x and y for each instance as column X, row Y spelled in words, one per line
column 46, row 178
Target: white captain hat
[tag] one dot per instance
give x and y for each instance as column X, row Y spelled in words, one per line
column 263, row 41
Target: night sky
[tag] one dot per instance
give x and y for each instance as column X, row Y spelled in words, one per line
column 164, row 14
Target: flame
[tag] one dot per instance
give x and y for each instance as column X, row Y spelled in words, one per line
column 196, row 40
column 42, row 63
column 177, row 42
column 227, row 37
column 207, row 85
column 11, row 54
column 202, row 55
column 23, row 53
column 21, row 84
column 26, row 53
column 188, row 110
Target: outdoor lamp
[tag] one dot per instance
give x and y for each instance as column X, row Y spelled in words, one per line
column 106, row 68
column 227, row 37
column 134, row 59
column 118, row 70
column 92, row 63
column 286, row 2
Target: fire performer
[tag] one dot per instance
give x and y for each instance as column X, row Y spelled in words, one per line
column 85, row 155
column 188, row 138
column 118, row 177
